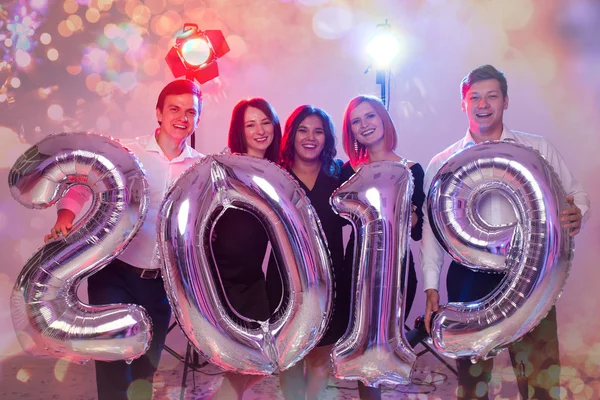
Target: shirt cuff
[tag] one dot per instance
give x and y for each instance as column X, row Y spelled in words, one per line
column 431, row 280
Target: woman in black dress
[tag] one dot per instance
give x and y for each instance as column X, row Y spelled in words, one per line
column 307, row 152
column 369, row 135
column 239, row 242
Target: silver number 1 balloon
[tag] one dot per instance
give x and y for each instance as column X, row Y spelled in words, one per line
column 374, row 349
column 188, row 214
column 535, row 252
column 48, row 317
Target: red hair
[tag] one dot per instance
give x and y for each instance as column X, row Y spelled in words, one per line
column 389, row 130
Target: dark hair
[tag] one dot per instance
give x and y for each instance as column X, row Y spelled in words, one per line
column 237, row 138
column 288, row 153
column 179, row 86
column 483, row 73
column 358, row 153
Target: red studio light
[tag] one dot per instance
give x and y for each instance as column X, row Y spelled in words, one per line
column 195, row 53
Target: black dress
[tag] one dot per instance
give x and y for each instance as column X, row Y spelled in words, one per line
column 332, row 227
column 418, row 198
column 239, row 247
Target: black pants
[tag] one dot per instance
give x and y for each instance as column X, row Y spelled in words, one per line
column 113, row 284
column 411, row 286
column 535, row 358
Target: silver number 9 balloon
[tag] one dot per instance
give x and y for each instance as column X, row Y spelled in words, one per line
column 48, row 317
column 535, row 252
column 374, row 349
column 187, row 216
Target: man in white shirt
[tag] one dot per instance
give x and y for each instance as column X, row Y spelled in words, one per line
column 135, row 276
column 535, row 358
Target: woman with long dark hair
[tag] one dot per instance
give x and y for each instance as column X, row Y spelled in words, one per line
column 307, row 152
column 240, row 242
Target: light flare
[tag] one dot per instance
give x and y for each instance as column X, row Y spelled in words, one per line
column 55, row 112
column 23, row 375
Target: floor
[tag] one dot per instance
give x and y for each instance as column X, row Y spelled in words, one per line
column 29, row 378
column 26, row 377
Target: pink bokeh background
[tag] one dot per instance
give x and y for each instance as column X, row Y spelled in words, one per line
column 98, row 65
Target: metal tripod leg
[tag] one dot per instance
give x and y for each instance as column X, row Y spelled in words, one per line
column 416, row 337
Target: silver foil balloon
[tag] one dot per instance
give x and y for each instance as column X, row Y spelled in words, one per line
column 48, row 317
column 187, row 217
column 535, row 252
column 374, row 349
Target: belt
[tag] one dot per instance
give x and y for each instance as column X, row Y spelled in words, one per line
column 141, row 272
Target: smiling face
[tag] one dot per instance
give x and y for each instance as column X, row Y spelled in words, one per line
column 367, row 125
column 258, row 131
column 310, row 139
column 179, row 117
column 484, row 105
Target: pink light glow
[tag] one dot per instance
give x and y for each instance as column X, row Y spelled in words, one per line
column 22, row 58
column 38, row 4
column 95, row 59
column 55, row 112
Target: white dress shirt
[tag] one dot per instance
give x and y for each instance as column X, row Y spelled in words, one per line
column 494, row 208
column 142, row 251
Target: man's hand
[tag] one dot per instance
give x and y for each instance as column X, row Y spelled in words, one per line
column 431, row 306
column 63, row 225
column 571, row 217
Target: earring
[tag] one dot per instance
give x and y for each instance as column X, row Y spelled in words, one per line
column 356, row 146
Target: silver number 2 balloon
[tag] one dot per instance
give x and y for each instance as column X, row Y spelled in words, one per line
column 535, row 252
column 48, row 317
column 374, row 349
column 188, row 214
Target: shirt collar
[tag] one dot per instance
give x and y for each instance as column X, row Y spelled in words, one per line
column 152, row 145
column 468, row 139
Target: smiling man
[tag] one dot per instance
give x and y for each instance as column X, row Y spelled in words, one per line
column 135, row 277
column 535, row 358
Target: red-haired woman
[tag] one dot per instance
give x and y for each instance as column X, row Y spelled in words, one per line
column 369, row 135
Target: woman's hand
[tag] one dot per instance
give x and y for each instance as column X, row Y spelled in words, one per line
column 413, row 216
column 63, row 225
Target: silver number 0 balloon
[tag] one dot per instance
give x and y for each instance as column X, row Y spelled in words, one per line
column 48, row 317
column 535, row 252
column 188, row 214
column 374, row 349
